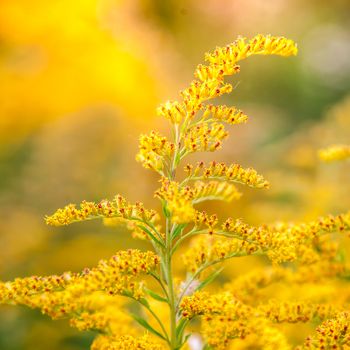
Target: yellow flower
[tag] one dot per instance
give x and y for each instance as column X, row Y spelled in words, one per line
column 205, row 137
column 174, row 111
column 117, row 208
column 231, row 173
column 224, row 58
column 154, row 151
column 230, row 115
column 126, row 342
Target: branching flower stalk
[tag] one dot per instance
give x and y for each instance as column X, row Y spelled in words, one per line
column 91, row 299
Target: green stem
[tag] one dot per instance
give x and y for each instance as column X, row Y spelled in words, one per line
column 168, row 250
column 170, row 284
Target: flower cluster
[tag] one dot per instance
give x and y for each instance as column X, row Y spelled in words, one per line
column 154, row 151
column 125, row 342
column 174, row 111
column 229, row 115
column 69, row 294
column 117, row 208
column 204, row 304
column 286, row 242
column 205, row 137
column 180, row 199
column 224, row 317
column 230, row 173
column 331, row 334
column 225, row 58
column 102, row 312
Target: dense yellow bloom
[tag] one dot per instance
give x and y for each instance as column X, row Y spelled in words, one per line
column 331, row 334
column 222, row 332
column 281, row 242
column 104, row 209
column 225, row 58
column 292, row 312
column 126, row 342
column 180, row 199
column 202, row 219
column 199, row 92
column 203, row 304
column 285, row 242
column 58, row 296
column 334, row 153
column 102, row 312
column 174, row 111
column 205, row 137
column 224, row 317
column 230, row 115
column 154, row 151
column 230, row 173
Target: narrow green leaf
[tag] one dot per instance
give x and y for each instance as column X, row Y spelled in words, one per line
column 155, row 295
column 146, row 325
column 177, row 158
column 151, row 235
column 144, row 302
column 180, row 328
column 209, row 279
column 178, row 230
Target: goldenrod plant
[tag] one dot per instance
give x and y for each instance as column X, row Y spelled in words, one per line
column 134, row 300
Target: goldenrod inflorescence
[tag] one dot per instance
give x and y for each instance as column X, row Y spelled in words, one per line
column 119, row 298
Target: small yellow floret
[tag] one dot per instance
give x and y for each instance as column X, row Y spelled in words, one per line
column 154, row 151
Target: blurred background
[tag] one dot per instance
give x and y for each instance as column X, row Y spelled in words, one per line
column 80, row 80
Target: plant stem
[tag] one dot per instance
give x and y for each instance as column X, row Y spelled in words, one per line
column 169, row 280
column 168, row 251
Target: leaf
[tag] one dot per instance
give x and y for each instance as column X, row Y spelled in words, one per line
column 144, row 302
column 178, row 230
column 151, row 235
column 209, row 279
column 180, row 328
column 156, row 296
column 177, row 158
column 146, row 325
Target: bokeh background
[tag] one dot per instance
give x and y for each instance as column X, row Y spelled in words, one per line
column 80, row 80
